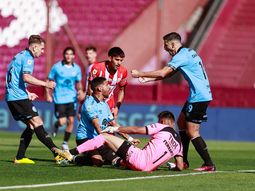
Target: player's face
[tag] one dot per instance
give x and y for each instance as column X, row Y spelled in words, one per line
column 116, row 61
column 38, row 49
column 167, row 121
column 169, row 46
column 105, row 89
column 69, row 56
column 91, row 56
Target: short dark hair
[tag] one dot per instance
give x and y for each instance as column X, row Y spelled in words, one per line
column 68, row 48
column 116, row 51
column 96, row 82
column 166, row 114
column 90, row 48
column 35, row 39
column 172, row 36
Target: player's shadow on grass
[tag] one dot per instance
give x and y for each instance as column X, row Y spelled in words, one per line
column 43, row 160
column 9, row 161
column 16, row 146
column 34, row 159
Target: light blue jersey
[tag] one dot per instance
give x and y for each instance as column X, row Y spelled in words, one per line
column 65, row 77
column 22, row 63
column 190, row 65
column 93, row 108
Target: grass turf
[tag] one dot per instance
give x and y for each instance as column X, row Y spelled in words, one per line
column 228, row 157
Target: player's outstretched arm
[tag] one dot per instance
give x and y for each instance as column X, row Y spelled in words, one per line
column 157, row 74
column 132, row 130
column 28, row 78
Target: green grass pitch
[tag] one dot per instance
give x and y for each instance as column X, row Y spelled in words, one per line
column 235, row 163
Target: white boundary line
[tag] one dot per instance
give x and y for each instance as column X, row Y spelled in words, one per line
column 118, row 179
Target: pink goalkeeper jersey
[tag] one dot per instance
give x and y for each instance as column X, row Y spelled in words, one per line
column 165, row 143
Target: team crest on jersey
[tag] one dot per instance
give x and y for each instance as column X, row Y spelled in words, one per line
column 29, row 62
column 89, row 108
column 94, row 71
column 73, row 73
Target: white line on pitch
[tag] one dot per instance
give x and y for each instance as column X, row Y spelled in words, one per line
column 116, row 179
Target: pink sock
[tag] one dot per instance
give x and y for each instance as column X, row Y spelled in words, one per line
column 91, row 144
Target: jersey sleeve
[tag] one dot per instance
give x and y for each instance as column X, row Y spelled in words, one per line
column 90, row 110
column 123, row 81
column 52, row 73
column 153, row 128
column 28, row 66
column 176, row 62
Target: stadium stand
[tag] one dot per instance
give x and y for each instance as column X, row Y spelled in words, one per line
column 228, row 49
column 92, row 22
column 105, row 23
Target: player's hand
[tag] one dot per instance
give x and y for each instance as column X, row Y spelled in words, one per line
column 110, row 129
column 135, row 141
column 80, row 95
column 32, row 96
column 135, row 73
column 50, row 84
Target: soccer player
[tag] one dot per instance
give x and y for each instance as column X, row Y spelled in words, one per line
column 67, row 76
column 91, row 56
column 164, row 144
column 95, row 116
column 115, row 73
column 19, row 100
column 193, row 113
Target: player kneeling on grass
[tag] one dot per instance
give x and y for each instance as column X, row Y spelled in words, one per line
column 164, row 144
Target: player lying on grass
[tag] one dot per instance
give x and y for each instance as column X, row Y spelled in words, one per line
column 95, row 117
column 164, row 144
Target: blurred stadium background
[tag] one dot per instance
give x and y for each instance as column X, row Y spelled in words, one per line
column 222, row 31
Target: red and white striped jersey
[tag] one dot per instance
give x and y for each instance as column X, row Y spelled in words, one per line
column 119, row 78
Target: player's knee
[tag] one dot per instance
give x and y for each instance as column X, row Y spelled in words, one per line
column 70, row 121
column 192, row 133
column 62, row 121
column 35, row 122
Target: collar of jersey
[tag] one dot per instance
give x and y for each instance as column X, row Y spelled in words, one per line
column 95, row 98
column 63, row 63
column 27, row 49
column 179, row 49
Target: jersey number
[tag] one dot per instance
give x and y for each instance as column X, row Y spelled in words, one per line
column 9, row 76
column 203, row 70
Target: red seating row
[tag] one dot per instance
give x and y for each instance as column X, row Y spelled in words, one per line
column 227, row 51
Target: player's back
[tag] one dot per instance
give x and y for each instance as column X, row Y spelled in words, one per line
column 191, row 66
column 22, row 63
column 164, row 144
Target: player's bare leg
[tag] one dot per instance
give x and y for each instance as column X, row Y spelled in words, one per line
column 68, row 132
column 200, row 146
